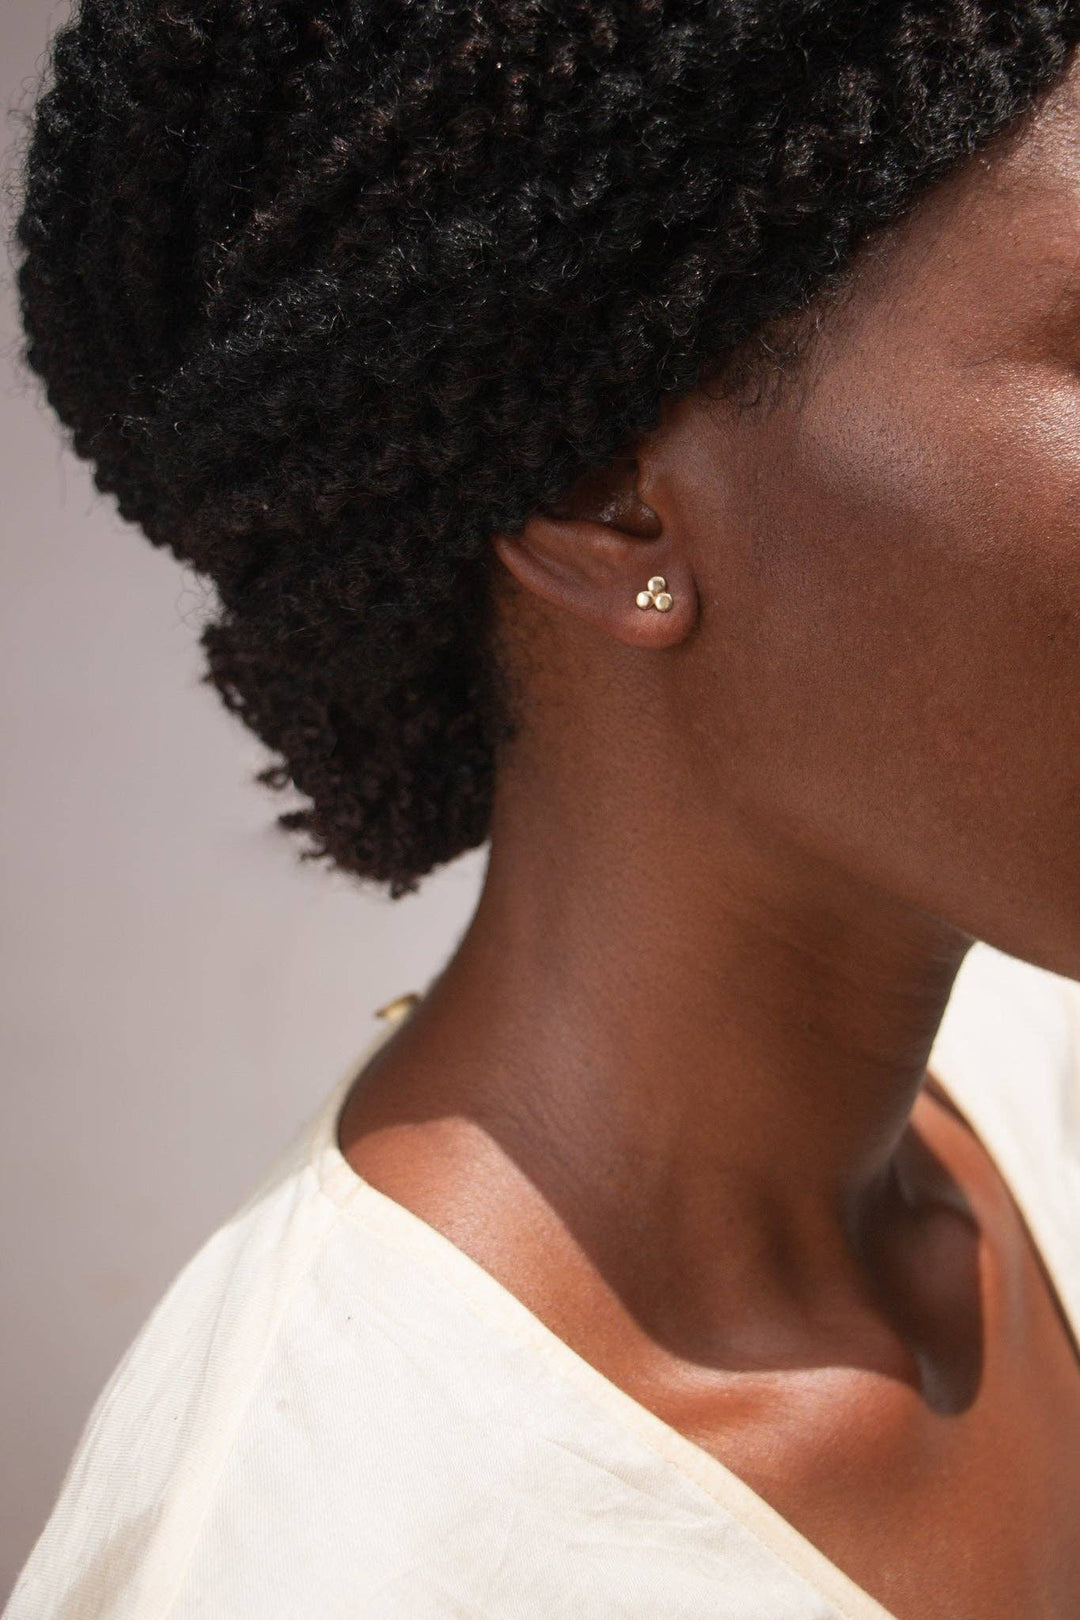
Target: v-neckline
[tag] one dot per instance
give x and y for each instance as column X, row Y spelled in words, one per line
column 490, row 1298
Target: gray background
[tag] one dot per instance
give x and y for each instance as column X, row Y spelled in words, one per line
column 177, row 991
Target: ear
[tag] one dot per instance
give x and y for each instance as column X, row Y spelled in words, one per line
column 597, row 551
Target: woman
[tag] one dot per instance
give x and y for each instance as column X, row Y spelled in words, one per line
column 647, row 435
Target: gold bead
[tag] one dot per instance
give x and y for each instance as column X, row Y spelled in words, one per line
column 643, row 599
column 663, row 600
column 657, row 583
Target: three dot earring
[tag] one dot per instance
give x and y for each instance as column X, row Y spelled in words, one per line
column 655, row 594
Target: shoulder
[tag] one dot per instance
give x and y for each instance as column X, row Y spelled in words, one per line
column 159, row 1434
column 1013, row 1028
column 1008, row 1051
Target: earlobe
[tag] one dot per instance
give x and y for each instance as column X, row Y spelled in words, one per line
column 662, row 614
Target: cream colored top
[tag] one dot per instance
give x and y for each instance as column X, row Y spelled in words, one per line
column 335, row 1412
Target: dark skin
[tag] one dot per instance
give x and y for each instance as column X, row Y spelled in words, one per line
column 671, row 1089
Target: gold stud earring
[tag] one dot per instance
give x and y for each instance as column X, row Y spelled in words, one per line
column 655, row 594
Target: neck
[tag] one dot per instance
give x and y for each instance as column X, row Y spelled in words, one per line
column 678, row 1037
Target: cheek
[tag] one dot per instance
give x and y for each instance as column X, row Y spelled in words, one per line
column 901, row 679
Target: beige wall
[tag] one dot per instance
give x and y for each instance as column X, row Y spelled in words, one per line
column 177, row 991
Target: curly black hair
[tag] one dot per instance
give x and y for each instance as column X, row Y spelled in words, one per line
column 330, row 291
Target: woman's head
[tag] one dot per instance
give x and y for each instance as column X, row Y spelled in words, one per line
column 377, row 313
column 867, row 684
